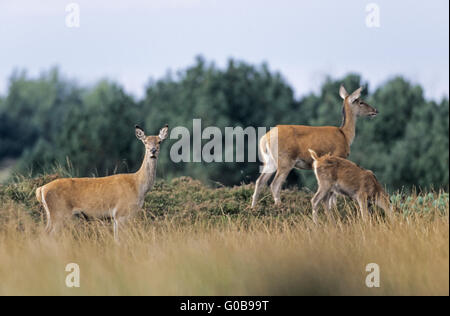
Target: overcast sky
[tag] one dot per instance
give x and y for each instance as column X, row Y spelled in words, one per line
column 131, row 41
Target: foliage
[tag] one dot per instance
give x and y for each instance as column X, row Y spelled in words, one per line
column 51, row 120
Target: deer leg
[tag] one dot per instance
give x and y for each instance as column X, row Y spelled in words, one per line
column 362, row 202
column 122, row 216
column 330, row 202
column 53, row 227
column 57, row 223
column 277, row 182
column 118, row 225
column 57, row 213
column 116, row 230
column 115, row 217
column 318, row 197
column 260, row 183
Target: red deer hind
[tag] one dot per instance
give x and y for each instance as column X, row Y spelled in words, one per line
column 119, row 196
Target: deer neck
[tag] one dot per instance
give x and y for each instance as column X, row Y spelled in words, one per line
column 348, row 126
column 146, row 175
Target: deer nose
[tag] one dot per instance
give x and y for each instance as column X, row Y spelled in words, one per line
column 153, row 151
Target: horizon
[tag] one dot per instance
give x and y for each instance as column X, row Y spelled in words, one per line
column 139, row 97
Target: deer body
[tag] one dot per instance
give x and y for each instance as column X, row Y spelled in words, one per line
column 338, row 176
column 285, row 147
column 296, row 139
column 119, row 196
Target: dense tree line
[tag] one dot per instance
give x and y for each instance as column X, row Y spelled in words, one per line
column 51, row 120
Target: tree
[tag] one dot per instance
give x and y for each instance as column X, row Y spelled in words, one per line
column 421, row 157
column 97, row 136
column 239, row 95
column 35, row 107
column 15, row 135
column 50, row 119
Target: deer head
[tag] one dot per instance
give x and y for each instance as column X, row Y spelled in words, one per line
column 152, row 143
column 356, row 104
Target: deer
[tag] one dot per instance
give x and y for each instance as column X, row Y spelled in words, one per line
column 285, row 147
column 118, row 197
column 339, row 176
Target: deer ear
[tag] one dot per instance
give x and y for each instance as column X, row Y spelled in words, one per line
column 355, row 95
column 342, row 92
column 164, row 132
column 139, row 132
column 313, row 154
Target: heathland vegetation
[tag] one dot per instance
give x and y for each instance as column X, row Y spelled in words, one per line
column 193, row 239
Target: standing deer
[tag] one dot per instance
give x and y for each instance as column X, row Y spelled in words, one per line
column 336, row 176
column 286, row 146
column 118, row 196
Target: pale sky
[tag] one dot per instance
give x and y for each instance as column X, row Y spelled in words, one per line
column 134, row 40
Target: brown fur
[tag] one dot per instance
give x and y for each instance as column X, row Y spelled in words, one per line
column 336, row 176
column 118, row 196
column 286, row 146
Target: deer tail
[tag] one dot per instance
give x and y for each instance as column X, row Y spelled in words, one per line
column 39, row 194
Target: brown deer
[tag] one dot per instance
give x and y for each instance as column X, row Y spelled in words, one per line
column 336, row 176
column 117, row 196
column 286, row 146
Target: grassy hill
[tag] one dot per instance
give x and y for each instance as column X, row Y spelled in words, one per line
column 197, row 240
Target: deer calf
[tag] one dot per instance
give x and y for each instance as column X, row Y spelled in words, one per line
column 336, row 175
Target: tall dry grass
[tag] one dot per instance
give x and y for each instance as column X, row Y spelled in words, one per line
column 194, row 240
